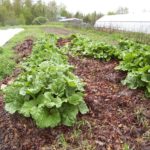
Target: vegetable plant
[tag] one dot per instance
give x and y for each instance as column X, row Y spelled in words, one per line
column 46, row 90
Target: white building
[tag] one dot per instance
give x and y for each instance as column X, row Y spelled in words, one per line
column 127, row 22
column 76, row 20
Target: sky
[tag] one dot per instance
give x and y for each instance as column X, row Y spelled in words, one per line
column 104, row 6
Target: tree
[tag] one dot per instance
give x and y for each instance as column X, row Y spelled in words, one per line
column 17, row 6
column 52, row 11
column 38, row 9
column 28, row 3
column 27, row 12
column 7, row 4
column 78, row 15
column 122, row 10
column 3, row 15
column 111, row 13
column 92, row 17
column 63, row 11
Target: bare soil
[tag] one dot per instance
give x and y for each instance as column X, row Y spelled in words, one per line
column 23, row 49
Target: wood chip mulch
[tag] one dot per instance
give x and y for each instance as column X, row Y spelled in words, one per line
column 117, row 117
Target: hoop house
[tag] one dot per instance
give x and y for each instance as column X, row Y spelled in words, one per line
column 126, row 22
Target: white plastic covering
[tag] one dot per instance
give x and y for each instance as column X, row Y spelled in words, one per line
column 6, row 35
column 70, row 19
column 127, row 22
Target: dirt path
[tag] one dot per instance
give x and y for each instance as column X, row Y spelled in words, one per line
column 58, row 31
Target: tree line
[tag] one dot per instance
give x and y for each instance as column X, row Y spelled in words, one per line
column 26, row 12
column 15, row 12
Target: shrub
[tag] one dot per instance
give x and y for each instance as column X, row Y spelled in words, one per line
column 39, row 20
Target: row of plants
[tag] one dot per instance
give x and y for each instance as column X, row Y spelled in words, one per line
column 49, row 92
column 46, row 90
column 81, row 45
column 134, row 58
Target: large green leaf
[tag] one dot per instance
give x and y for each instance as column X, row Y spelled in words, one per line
column 145, row 77
column 51, row 101
column 133, row 80
column 27, row 107
column 45, row 118
column 68, row 114
column 83, row 107
column 12, row 107
column 58, row 87
column 75, row 99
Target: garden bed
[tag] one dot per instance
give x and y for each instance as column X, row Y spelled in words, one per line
column 118, row 117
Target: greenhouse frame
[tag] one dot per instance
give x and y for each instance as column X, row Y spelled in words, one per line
column 126, row 22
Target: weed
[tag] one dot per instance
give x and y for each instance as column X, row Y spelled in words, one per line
column 126, row 146
column 139, row 113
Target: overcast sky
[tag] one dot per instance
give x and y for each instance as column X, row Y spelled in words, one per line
column 104, row 6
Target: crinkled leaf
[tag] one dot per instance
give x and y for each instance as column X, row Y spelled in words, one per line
column 49, row 101
column 58, row 87
column 68, row 113
column 27, row 107
column 69, row 91
column 83, row 107
column 148, row 87
column 45, row 118
column 145, row 77
column 75, row 99
column 12, row 107
column 133, row 81
column 22, row 91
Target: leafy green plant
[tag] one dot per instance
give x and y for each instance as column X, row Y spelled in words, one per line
column 86, row 47
column 134, row 58
column 46, row 90
column 1, row 50
column 126, row 146
column 140, row 116
column 136, row 61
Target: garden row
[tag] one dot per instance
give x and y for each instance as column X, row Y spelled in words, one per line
column 134, row 58
column 46, row 90
column 49, row 92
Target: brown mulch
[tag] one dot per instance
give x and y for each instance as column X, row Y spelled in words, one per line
column 111, row 122
column 62, row 42
column 112, row 106
column 24, row 49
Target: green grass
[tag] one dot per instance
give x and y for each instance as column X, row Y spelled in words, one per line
column 112, row 36
column 7, row 53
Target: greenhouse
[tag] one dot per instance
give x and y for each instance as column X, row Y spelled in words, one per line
column 126, row 22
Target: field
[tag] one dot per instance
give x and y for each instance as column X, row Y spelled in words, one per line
column 113, row 68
